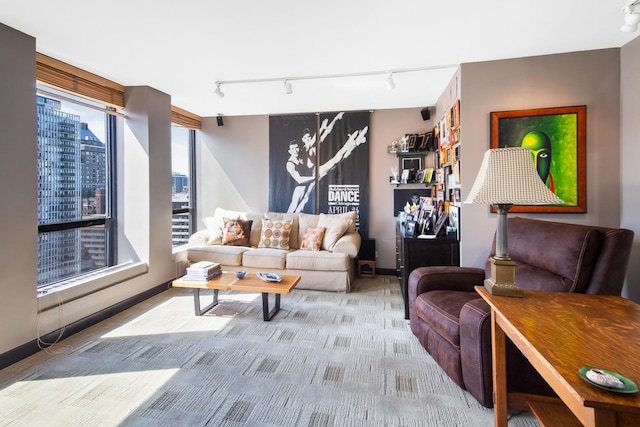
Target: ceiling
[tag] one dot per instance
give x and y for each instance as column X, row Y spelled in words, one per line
column 183, row 47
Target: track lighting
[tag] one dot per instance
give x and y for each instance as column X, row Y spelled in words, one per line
column 631, row 19
column 218, row 92
column 390, row 83
column 287, row 87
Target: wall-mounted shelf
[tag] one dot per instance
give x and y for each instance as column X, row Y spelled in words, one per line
column 412, row 153
column 413, row 184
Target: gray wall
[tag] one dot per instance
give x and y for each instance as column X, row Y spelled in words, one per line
column 582, row 78
column 18, row 186
column 630, row 153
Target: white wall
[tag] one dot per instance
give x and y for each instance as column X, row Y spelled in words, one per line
column 232, row 165
column 630, row 153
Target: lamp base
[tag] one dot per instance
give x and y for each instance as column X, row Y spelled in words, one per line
column 502, row 281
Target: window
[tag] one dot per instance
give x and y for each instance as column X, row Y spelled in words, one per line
column 76, row 228
column 182, row 148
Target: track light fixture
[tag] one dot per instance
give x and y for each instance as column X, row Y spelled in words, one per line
column 286, row 82
column 631, row 18
column 390, row 83
column 218, row 92
column 287, row 87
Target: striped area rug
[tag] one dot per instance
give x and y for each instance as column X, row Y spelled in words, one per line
column 325, row 360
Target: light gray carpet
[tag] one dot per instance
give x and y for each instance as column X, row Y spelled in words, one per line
column 325, row 360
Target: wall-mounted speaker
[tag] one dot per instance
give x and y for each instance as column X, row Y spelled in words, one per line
column 426, row 115
column 220, row 122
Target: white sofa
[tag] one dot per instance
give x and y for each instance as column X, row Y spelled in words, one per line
column 331, row 268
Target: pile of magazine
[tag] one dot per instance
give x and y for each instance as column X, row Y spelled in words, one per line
column 202, row 271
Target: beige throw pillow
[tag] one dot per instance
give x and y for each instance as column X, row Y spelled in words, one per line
column 312, row 239
column 335, row 228
column 275, row 234
column 349, row 215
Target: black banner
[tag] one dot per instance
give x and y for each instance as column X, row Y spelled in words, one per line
column 328, row 153
column 292, row 159
column 344, row 171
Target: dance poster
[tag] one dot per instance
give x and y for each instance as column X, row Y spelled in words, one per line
column 292, row 160
column 344, row 176
column 320, row 164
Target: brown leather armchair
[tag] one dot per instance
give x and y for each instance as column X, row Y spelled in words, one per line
column 452, row 322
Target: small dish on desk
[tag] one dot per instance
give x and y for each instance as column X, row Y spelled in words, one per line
column 240, row 274
column 269, row 277
column 607, row 380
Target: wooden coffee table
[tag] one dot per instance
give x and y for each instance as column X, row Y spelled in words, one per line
column 251, row 283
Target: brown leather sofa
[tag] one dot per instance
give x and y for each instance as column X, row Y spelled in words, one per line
column 453, row 323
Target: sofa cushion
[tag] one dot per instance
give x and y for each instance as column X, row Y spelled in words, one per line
column 225, row 255
column 441, row 311
column 312, row 239
column 236, row 232
column 352, row 215
column 319, row 261
column 265, row 258
column 306, row 221
column 216, row 224
column 335, row 228
column 276, row 233
column 294, row 242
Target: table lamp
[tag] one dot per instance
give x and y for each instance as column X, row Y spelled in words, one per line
column 507, row 177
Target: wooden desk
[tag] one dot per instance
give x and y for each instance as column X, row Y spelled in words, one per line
column 250, row 283
column 559, row 333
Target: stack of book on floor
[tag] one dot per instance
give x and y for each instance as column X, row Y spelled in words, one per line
column 202, row 271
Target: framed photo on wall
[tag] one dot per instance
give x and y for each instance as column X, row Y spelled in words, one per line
column 412, row 163
column 557, row 140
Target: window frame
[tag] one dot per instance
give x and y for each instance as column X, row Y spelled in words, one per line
column 192, row 185
column 109, row 221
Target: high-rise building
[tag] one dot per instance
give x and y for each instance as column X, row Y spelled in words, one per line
column 93, row 160
column 179, row 182
column 180, row 229
column 59, row 198
column 71, row 187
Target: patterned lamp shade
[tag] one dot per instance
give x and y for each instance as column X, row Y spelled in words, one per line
column 507, row 177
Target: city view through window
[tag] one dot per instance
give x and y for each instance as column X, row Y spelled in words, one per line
column 181, row 188
column 73, row 189
column 75, row 221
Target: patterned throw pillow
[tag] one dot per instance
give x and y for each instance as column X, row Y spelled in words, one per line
column 312, row 238
column 275, row 233
column 236, row 232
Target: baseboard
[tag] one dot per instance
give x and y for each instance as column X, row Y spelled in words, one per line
column 21, row 352
column 386, row 272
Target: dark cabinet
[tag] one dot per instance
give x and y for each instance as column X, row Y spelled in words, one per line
column 413, row 252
